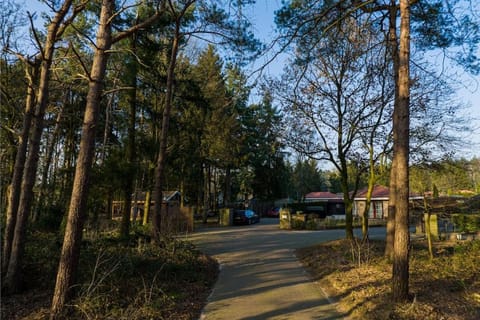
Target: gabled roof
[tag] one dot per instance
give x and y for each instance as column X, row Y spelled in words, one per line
column 166, row 195
column 323, row 195
column 379, row 193
column 169, row 195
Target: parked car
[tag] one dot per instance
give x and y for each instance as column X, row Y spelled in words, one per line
column 245, row 217
column 273, row 212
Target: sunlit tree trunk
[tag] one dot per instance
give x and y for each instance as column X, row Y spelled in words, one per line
column 77, row 210
column 11, row 282
column 146, row 207
column 428, row 226
column 400, row 274
column 393, row 46
column 368, row 202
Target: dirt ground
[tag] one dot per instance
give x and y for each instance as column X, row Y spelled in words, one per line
column 358, row 278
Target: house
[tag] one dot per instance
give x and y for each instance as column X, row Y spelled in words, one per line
column 175, row 218
column 379, row 202
column 325, row 203
column 170, row 199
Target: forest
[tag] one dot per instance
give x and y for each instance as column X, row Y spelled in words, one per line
column 102, row 101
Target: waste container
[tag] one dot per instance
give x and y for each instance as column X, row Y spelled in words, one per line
column 285, row 219
column 226, row 217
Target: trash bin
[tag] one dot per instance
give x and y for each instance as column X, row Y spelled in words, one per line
column 285, row 219
column 226, row 217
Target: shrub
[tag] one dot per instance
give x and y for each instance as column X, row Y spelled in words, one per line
column 297, row 224
column 466, row 222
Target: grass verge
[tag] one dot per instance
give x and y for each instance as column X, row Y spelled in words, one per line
column 358, row 278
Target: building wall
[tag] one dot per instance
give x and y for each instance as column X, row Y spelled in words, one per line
column 378, row 209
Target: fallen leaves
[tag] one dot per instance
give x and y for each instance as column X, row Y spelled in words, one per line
column 446, row 288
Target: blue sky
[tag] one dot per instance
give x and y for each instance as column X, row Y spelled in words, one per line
column 468, row 92
column 262, row 16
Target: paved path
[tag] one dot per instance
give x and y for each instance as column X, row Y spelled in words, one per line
column 260, row 276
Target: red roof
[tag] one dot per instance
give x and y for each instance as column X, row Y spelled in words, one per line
column 322, row 195
column 378, row 192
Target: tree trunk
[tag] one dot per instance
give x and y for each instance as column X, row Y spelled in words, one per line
column 15, row 187
column 400, row 274
column 368, row 202
column 162, row 155
column 228, row 187
column 393, row 45
column 146, row 207
column 77, row 211
column 206, row 192
column 12, row 278
column 346, row 197
column 130, row 148
column 428, row 226
column 42, row 198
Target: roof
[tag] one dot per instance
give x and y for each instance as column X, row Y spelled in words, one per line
column 166, row 195
column 379, row 193
column 169, row 195
column 323, row 195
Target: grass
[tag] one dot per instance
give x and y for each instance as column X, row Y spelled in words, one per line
column 358, row 277
column 117, row 280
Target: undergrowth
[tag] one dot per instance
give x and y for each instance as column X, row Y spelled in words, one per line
column 117, row 279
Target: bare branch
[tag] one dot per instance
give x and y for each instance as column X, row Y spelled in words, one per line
column 35, row 35
column 117, row 89
column 84, row 67
column 69, row 21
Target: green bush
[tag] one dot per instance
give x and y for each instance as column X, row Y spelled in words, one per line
column 297, row 224
column 466, row 222
column 311, row 224
column 50, row 218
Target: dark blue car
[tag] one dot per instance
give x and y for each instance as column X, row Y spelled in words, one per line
column 241, row 217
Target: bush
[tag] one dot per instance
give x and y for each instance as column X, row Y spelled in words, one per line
column 118, row 280
column 297, row 224
column 312, row 224
column 466, row 222
column 50, row 218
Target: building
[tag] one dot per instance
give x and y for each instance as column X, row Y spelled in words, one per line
column 379, row 202
column 325, row 203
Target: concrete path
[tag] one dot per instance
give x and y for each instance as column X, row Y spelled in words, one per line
column 260, row 276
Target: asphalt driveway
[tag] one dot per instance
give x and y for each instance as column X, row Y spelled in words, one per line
column 260, row 277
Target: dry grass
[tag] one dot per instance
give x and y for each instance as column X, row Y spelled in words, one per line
column 117, row 281
column 446, row 288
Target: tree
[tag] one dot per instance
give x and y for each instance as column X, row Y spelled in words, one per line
column 332, row 93
column 76, row 213
column 21, row 153
column 12, row 144
column 219, row 121
column 401, row 125
column 201, row 18
column 264, row 137
column 178, row 15
column 130, row 148
column 55, row 29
